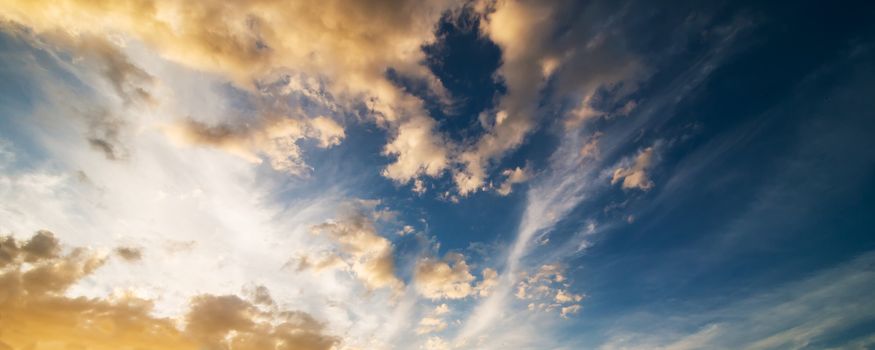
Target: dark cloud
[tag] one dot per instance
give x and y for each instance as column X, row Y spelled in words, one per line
column 105, row 135
column 129, row 253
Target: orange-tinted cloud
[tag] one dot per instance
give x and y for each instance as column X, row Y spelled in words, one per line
column 36, row 313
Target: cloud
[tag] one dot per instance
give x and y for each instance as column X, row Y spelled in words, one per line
column 430, row 325
column 635, row 175
column 546, row 290
column 512, row 177
column 448, row 278
column 105, row 126
column 369, row 255
column 129, row 253
column 274, row 138
column 104, row 134
column 128, row 81
column 252, row 43
column 436, row 343
column 37, row 313
column 827, row 309
column 580, row 66
column 488, row 283
column 417, row 150
column 433, row 321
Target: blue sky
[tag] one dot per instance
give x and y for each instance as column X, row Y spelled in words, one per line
column 437, row 175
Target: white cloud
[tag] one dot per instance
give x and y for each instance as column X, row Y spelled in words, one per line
column 418, row 151
column 448, row 278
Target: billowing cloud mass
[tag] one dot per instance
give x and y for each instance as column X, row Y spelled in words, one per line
column 37, row 314
column 529, row 60
column 337, row 42
column 252, row 42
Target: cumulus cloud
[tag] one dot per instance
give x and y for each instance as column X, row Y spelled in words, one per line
column 511, row 177
column 252, row 42
column 433, row 321
column 418, row 151
column 369, row 255
column 447, row 278
column 588, row 62
column 430, row 324
column 488, row 283
column 451, row 278
column 546, row 290
column 634, row 175
column 38, row 314
column 275, row 139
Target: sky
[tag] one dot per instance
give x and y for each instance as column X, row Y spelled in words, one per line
column 439, row 174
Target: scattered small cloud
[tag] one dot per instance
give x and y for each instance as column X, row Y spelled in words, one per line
column 130, row 254
column 634, row 175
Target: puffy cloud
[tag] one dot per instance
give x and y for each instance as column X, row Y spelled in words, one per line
column 441, row 309
column 562, row 296
column 449, row 278
column 566, row 311
column 369, row 255
column 430, row 325
column 37, row 313
column 635, row 175
column 513, row 176
column 406, row 230
column 488, row 283
column 546, row 290
column 433, row 321
column 252, row 42
column 585, row 59
column 274, row 138
column 418, row 151
column 517, row 28
column 245, row 40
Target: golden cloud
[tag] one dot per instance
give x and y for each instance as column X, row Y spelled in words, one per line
column 635, row 175
column 36, row 314
column 369, row 255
